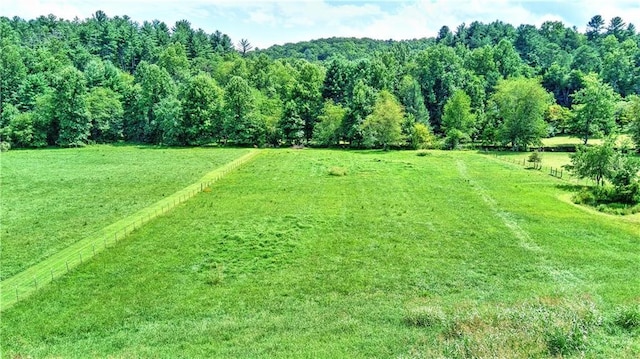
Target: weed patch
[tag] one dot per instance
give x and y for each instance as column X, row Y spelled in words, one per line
column 337, row 171
column 628, row 318
column 425, row 317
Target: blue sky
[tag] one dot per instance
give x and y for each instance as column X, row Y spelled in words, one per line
column 265, row 23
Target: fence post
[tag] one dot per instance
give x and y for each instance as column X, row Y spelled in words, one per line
column 67, row 266
column 35, row 282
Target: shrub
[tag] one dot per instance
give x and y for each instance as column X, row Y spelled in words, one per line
column 4, row 146
column 535, row 159
column 585, row 196
column 421, row 137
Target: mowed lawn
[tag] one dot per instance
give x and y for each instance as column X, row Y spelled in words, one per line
column 451, row 254
column 52, row 198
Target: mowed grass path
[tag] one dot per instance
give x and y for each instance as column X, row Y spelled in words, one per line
column 450, row 254
column 53, row 198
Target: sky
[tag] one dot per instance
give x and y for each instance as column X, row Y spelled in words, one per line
column 265, row 23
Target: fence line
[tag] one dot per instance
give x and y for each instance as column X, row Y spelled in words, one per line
column 557, row 172
column 21, row 285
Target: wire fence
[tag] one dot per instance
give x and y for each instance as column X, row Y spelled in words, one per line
column 557, row 172
column 21, row 285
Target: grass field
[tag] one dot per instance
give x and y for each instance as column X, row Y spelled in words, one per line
column 549, row 159
column 313, row 253
column 52, row 198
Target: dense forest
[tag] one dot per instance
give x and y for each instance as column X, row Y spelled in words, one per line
column 108, row 79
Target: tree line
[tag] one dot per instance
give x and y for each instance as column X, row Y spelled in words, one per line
column 107, row 79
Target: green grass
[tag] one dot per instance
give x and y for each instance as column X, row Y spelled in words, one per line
column 53, row 198
column 549, row 159
column 445, row 255
column 560, row 141
column 568, row 141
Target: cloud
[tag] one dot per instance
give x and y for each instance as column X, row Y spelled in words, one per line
column 268, row 22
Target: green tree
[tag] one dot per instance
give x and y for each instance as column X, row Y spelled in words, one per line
column 595, row 26
column 154, row 84
column 410, row 96
column 12, row 72
column 507, row 60
column 269, row 108
column 168, row 113
column 586, row 59
column 105, row 114
column 174, row 60
column 520, row 106
column 244, row 46
column 327, row 129
column 339, row 80
column 616, row 27
column 595, row 162
column 383, row 126
column 458, row 121
column 624, row 177
column 361, row 105
column 620, row 65
column 593, row 108
column 69, row 108
column 634, row 119
column 421, row 137
column 558, row 119
column 33, row 86
column 241, row 125
column 45, row 126
column 6, row 117
column 94, row 73
column 307, row 95
column 291, row 125
column 203, row 109
column 440, row 71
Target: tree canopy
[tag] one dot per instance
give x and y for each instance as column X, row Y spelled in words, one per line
column 106, row 79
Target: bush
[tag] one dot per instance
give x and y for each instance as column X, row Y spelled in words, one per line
column 421, row 137
column 585, row 196
column 4, row 146
column 536, row 159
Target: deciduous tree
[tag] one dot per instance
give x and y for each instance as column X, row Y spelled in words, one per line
column 520, row 105
column 69, row 108
column 327, row 129
column 458, row 121
column 383, row 126
column 593, row 109
column 203, row 110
